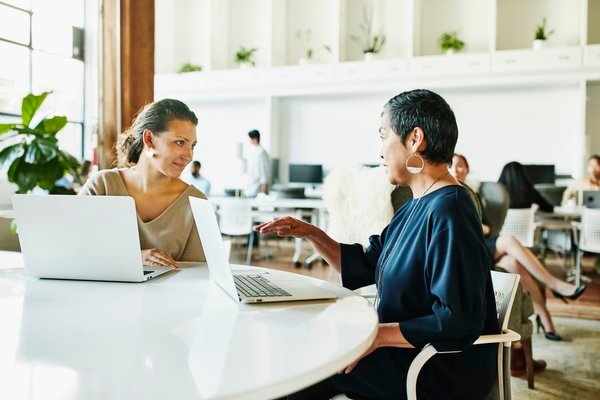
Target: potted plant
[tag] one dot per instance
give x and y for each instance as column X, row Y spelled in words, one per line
column 371, row 44
column 450, row 43
column 188, row 67
column 541, row 35
column 32, row 151
column 245, row 57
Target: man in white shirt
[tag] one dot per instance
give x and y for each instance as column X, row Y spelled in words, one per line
column 194, row 178
column 259, row 167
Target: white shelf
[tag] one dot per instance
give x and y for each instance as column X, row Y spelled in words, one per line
column 591, row 56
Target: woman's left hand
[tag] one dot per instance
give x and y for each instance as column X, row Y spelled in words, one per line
column 374, row 346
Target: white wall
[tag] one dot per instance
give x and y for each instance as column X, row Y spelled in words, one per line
column 221, row 126
column 536, row 125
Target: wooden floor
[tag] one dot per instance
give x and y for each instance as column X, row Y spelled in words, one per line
column 281, row 250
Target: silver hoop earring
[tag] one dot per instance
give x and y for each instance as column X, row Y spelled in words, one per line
column 415, row 170
column 149, row 153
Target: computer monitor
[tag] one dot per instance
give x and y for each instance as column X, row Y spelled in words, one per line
column 306, row 173
column 539, row 173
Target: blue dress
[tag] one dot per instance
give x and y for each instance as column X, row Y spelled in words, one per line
column 433, row 275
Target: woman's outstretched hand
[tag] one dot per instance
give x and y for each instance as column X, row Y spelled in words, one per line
column 286, row 226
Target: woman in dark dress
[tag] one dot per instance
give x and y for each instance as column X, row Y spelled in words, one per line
column 430, row 265
column 520, row 190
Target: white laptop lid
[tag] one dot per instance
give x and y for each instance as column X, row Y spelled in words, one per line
column 212, row 243
column 79, row 237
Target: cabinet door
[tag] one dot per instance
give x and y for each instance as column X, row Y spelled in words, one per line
column 372, row 70
column 591, row 56
column 528, row 60
column 457, row 64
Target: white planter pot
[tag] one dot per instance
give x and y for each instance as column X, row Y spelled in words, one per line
column 538, row 44
column 369, row 56
column 245, row 65
column 303, row 61
column 450, row 52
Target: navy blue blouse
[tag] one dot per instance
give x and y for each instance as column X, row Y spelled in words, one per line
column 432, row 270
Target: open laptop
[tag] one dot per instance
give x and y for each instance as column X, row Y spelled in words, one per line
column 591, row 198
column 246, row 286
column 81, row 237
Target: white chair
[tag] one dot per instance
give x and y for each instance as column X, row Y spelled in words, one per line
column 588, row 237
column 235, row 219
column 505, row 287
column 520, row 223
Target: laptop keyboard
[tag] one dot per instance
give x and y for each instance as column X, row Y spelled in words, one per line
column 257, row 286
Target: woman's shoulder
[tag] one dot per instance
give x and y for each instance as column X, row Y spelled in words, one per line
column 103, row 182
column 194, row 192
column 448, row 199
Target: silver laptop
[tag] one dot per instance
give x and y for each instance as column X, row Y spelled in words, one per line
column 247, row 286
column 591, row 198
column 81, row 237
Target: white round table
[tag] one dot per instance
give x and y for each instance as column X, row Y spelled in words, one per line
column 178, row 337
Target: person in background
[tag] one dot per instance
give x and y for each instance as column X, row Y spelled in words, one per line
column 590, row 182
column 86, row 169
column 430, row 266
column 507, row 252
column 259, row 167
column 521, row 192
column 195, row 178
column 152, row 154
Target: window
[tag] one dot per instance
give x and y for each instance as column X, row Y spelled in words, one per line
column 41, row 50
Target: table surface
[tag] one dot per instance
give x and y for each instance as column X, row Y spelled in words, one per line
column 177, row 337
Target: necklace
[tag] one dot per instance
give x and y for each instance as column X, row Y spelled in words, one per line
column 386, row 255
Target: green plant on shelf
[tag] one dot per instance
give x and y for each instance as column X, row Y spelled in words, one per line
column 370, row 43
column 245, row 56
column 541, row 33
column 188, row 67
column 33, row 153
column 449, row 42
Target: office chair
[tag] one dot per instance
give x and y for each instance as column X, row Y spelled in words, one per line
column 520, row 223
column 505, row 286
column 588, row 238
column 235, row 219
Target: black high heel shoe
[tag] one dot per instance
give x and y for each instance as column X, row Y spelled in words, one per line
column 576, row 294
column 548, row 335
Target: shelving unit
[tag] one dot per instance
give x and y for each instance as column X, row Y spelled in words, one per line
column 498, row 57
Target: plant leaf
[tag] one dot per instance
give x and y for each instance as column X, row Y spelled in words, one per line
column 6, row 128
column 71, row 165
column 49, row 173
column 51, row 125
column 22, row 175
column 9, row 153
column 31, row 103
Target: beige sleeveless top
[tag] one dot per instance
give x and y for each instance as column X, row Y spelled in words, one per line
column 173, row 231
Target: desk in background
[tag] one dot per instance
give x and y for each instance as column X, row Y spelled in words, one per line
column 269, row 207
column 178, row 337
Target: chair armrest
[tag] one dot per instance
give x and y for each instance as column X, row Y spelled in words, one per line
column 429, row 351
column 507, row 336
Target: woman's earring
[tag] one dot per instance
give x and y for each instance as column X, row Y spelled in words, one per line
column 149, row 153
column 415, row 169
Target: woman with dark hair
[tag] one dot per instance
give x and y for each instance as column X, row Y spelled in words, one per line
column 507, row 252
column 430, row 265
column 521, row 192
column 152, row 153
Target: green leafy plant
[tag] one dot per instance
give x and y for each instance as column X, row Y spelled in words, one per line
column 245, row 55
column 32, row 152
column 450, row 41
column 540, row 31
column 187, row 67
column 370, row 43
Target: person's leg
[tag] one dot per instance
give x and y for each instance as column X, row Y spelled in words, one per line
column 508, row 245
column 511, row 264
column 323, row 390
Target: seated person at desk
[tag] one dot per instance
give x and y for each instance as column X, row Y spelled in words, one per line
column 154, row 151
column 590, row 182
column 432, row 287
column 507, row 252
